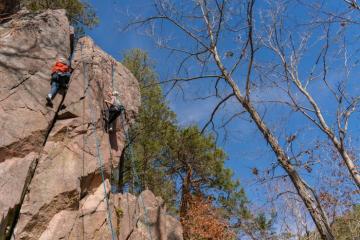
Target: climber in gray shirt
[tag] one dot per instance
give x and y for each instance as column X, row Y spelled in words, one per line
column 114, row 110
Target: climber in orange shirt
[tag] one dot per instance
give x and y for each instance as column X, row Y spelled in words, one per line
column 60, row 76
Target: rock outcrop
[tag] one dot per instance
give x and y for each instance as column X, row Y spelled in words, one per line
column 50, row 181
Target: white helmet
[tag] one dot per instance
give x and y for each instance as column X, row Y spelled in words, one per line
column 62, row 60
column 115, row 93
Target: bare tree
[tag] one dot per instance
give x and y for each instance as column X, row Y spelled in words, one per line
column 203, row 29
column 282, row 43
column 353, row 4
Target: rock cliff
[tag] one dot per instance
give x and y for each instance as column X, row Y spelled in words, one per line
column 50, row 177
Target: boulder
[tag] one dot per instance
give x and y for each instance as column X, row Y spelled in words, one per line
column 145, row 218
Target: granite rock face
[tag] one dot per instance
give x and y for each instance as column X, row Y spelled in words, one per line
column 28, row 46
column 50, row 180
column 145, row 217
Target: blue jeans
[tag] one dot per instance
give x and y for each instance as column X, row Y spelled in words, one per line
column 55, row 86
column 58, row 80
column 114, row 112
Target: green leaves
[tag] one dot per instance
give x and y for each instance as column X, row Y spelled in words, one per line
column 81, row 14
column 180, row 162
column 153, row 130
column 164, row 151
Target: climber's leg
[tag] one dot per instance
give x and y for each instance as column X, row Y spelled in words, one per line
column 112, row 122
column 54, row 77
column 111, row 126
column 64, row 79
column 114, row 115
column 114, row 112
column 54, row 87
column 111, row 115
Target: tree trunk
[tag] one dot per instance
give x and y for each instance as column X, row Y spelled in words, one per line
column 306, row 194
column 308, row 197
column 143, row 175
column 353, row 170
column 185, row 197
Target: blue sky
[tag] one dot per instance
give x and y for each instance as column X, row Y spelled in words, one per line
column 108, row 36
column 244, row 145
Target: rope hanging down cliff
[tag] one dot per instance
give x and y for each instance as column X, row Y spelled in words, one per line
column 130, row 154
column 136, row 176
column 98, row 152
column 99, row 155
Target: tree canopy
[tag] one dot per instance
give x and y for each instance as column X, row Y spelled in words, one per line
column 80, row 13
column 181, row 164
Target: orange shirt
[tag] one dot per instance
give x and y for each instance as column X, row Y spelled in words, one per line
column 60, row 67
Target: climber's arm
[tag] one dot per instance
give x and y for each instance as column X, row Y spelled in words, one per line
column 111, row 101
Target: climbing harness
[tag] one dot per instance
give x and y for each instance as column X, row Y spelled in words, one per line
column 98, row 152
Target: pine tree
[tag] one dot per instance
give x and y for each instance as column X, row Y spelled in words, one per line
column 180, row 163
column 154, row 128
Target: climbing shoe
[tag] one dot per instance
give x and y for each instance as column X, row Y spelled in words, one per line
column 48, row 99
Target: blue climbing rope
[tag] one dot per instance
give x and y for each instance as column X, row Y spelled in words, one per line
column 137, row 178
column 130, row 153
column 100, row 157
column 98, row 152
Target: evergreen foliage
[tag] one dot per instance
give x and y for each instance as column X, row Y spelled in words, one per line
column 153, row 130
column 81, row 14
column 180, row 163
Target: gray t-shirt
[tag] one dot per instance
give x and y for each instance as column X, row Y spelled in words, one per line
column 117, row 102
